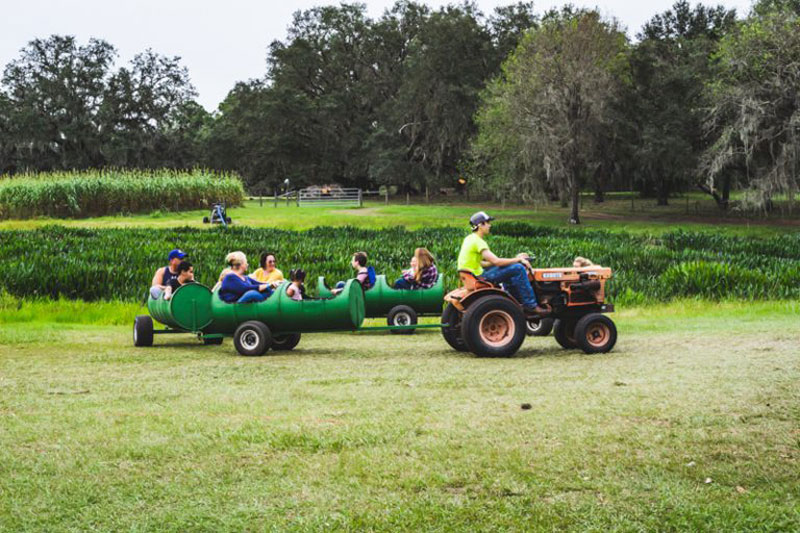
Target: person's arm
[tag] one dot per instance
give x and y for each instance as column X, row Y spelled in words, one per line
column 493, row 260
column 290, row 290
column 253, row 284
column 158, row 277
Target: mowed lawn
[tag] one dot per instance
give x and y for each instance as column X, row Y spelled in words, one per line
column 691, row 423
column 618, row 213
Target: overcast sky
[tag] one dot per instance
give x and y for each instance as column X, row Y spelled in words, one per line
column 221, row 42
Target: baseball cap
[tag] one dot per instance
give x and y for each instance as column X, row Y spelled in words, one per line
column 175, row 253
column 479, row 218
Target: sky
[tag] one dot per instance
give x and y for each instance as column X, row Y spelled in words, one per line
column 223, row 42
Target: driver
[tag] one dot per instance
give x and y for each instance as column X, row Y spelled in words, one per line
column 512, row 273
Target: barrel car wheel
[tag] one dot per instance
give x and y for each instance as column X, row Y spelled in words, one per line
column 285, row 342
column 143, row 331
column 401, row 315
column 539, row 327
column 595, row 333
column 452, row 332
column 494, row 326
column 252, row 338
column 564, row 332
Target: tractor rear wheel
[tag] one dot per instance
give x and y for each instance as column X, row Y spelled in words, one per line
column 564, row 332
column 452, row 332
column 494, row 326
column 540, row 327
column 285, row 342
column 401, row 315
column 143, row 331
column 205, row 220
column 595, row 333
column 252, row 338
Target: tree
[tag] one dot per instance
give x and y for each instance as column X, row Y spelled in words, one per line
column 549, row 115
column 755, row 117
column 56, row 90
column 142, row 105
column 670, row 67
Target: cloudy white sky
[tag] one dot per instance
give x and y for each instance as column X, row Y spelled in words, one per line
column 221, row 42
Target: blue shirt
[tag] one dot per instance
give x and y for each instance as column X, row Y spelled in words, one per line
column 233, row 287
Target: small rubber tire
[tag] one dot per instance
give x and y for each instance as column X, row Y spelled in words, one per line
column 252, row 338
column 494, row 326
column 205, row 220
column 564, row 332
column 401, row 315
column 285, row 342
column 214, row 341
column 143, row 331
column 228, row 220
column 539, row 327
column 596, row 333
column 452, row 333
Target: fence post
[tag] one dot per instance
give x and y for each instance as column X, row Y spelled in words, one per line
column 386, row 194
column 427, row 198
column 360, row 199
column 297, row 197
column 261, row 200
column 275, row 191
column 408, row 198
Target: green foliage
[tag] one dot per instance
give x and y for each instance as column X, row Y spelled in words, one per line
column 119, row 264
column 95, row 193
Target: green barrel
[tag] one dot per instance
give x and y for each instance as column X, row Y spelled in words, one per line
column 381, row 298
column 188, row 309
column 282, row 314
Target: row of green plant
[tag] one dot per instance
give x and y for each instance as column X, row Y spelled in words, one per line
column 108, row 192
column 93, row 264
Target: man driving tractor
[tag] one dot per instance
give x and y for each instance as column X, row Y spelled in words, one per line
column 511, row 272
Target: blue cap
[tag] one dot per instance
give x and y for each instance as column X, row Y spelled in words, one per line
column 176, row 253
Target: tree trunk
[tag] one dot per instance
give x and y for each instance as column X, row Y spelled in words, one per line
column 574, row 217
column 663, row 192
column 599, row 195
column 726, row 192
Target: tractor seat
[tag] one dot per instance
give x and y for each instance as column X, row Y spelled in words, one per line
column 471, row 282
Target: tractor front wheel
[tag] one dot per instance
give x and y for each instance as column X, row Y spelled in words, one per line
column 596, row 333
column 564, row 332
column 252, row 338
column 494, row 326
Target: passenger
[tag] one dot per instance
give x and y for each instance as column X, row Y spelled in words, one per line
column 581, row 262
column 237, row 287
column 185, row 275
column 511, row 272
column 268, row 273
column 359, row 264
column 422, row 274
column 163, row 275
column 296, row 290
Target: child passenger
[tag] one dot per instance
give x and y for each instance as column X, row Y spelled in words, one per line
column 296, row 290
column 422, row 274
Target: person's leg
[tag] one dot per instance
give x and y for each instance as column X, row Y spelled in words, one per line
column 515, row 279
column 403, row 284
column 155, row 292
column 251, row 296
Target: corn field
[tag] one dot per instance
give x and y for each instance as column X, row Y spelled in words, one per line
column 111, row 192
column 94, row 264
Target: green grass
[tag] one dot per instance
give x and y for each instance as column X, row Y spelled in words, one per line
column 379, row 432
column 615, row 214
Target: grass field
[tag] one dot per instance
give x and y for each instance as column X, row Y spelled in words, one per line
column 616, row 213
column 691, row 423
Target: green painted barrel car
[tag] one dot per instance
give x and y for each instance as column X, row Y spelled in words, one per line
column 275, row 323
column 401, row 307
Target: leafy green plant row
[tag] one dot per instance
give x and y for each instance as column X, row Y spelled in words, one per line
column 108, row 192
column 119, row 263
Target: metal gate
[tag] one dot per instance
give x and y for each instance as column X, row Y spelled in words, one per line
column 329, row 197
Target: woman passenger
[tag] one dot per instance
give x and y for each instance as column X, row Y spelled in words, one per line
column 237, row 287
column 422, row 274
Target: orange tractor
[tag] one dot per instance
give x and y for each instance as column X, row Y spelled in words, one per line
column 486, row 320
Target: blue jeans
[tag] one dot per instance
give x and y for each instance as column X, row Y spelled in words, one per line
column 515, row 279
column 403, row 283
column 253, row 296
column 155, row 292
